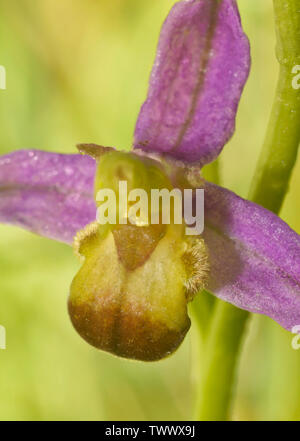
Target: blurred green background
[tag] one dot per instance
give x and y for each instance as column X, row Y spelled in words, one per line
column 77, row 71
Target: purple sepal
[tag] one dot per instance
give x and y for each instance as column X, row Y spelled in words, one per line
column 202, row 64
column 254, row 257
column 50, row 194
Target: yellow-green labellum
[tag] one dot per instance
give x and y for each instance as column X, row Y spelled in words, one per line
column 130, row 295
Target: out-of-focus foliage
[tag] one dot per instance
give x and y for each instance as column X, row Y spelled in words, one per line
column 78, row 72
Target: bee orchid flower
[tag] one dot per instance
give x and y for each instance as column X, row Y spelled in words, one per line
column 130, row 295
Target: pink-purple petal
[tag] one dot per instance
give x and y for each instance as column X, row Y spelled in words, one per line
column 50, row 194
column 254, row 257
column 202, row 64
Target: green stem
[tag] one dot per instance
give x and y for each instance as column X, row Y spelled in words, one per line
column 221, row 355
column 280, row 148
column 269, row 187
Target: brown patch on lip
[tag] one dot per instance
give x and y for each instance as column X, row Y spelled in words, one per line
column 136, row 244
column 130, row 334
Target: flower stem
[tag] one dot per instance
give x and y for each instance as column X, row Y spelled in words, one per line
column 221, row 355
column 270, row 184
column 279, row 151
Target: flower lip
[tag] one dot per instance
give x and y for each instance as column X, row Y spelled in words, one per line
column 134, row 311
column 134, row 336
column 130, row 295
